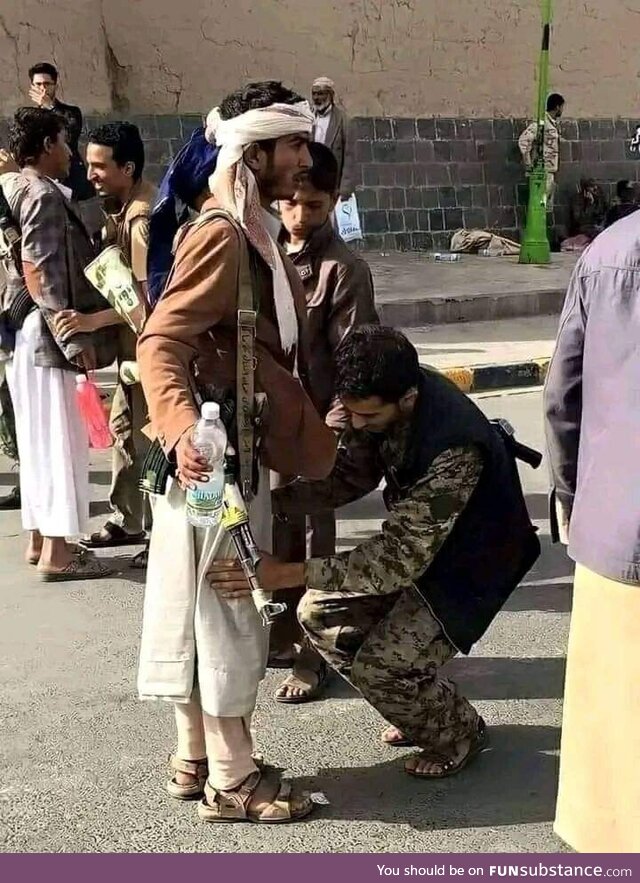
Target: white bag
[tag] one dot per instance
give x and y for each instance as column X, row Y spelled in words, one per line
column 348, row 219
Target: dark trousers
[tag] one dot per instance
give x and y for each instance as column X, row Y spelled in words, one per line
column 295, row 540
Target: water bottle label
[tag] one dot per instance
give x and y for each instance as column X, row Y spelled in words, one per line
column 207, row 497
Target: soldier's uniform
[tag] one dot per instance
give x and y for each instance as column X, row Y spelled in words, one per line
column 391, row 612
column 551, row 152
column 366, row 618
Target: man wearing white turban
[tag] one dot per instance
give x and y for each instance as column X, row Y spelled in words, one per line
column 331, row 127
column 204, row 654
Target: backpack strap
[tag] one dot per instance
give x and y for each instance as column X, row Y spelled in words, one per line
column 245, row 351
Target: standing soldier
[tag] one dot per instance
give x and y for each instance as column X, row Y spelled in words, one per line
column 551, row 148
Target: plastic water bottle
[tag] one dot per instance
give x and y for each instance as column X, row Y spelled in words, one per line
column 447, row 257
column 204, row 502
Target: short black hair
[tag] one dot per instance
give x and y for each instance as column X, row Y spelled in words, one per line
column 554, row 101
column 625, row 190
column 43, row 67
column 30, row 128
column 323, row 174
column 256, row 95
column 125, row 141
column 376, row 361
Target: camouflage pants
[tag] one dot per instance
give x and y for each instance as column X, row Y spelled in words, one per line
column 130, row 507
column 390, row 647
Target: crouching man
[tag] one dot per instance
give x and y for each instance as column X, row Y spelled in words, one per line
column 456, row 543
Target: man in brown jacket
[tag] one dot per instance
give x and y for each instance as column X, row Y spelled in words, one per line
column 210, row 659
column 115, row 160
column 339, row 294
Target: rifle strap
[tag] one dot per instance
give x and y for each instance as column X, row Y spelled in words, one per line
column 245, row 356
column 245, row 368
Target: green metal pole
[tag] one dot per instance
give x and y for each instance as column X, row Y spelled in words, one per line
column 535, row 241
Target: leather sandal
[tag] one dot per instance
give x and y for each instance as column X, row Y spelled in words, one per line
column 234, row 806
column 81, row 567
column 450, row 767
column 309, row 692
column 197, row 769
column 111, row 535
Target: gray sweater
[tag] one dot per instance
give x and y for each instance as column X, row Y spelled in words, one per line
column 592, row 406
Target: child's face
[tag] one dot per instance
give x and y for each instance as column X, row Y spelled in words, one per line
column 308, row 210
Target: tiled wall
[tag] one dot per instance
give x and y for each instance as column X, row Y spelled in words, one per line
column 421, row 179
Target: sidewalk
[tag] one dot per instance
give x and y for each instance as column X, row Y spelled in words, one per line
column 413, row 290
column 477, row 356
column 483, row 356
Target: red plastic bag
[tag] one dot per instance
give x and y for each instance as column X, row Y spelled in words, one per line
column 90, row 406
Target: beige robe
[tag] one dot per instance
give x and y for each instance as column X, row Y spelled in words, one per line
column 191, row 633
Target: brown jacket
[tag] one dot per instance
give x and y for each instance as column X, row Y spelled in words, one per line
column 129, row 228
column 195, row 321
column 339, row 293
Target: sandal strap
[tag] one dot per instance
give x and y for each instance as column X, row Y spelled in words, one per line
column 280, row 807
column 196, row 768
column 232, row 804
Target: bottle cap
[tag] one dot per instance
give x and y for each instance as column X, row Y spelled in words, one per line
column 210, row 411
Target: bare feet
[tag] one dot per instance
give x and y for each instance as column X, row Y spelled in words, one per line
column 395, row 737
column 55, row 554
column 34, row 549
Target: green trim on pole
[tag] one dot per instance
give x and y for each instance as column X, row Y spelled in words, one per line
column 535, row 240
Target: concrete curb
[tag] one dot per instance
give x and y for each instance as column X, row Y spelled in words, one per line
column 439, row 310
column 475, row 378
column 485, row 378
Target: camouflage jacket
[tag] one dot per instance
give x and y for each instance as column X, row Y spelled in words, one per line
column 418, row 522
column 551, row 149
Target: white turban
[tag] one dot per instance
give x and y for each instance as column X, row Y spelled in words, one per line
column 323, row 83
column 234, row 186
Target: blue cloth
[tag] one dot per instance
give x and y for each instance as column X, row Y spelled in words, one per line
column 185, row 179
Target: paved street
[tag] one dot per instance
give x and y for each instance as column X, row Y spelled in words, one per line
column 83, row 760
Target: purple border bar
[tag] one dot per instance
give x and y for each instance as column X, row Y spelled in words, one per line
column 314, row 867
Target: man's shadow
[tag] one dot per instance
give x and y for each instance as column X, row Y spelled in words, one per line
column 513, row 782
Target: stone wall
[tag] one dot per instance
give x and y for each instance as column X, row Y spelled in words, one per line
column 388, row 57
column 420, row 179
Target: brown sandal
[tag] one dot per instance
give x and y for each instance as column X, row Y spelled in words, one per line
column 197, row 769
column 234, row 806
column 309, row 692
column 81, row 567
column 450, row 767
